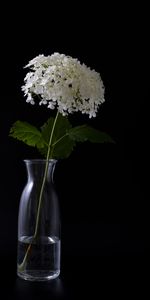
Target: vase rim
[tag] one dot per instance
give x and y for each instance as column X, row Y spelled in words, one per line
column 34, row 160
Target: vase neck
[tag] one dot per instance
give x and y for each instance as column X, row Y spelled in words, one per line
column 36, row 169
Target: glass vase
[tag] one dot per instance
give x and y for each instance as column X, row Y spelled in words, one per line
column 38, row 257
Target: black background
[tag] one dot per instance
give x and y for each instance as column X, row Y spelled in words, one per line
column 102, row 188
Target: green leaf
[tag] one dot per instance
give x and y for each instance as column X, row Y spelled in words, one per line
column 64, row 136
column 61, row 127
column 63, row 148
column 46, row 130
column 43, row 151
column 27, row 133
column 62, row 145
column 86, row 133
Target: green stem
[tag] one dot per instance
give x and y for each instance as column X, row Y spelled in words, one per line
column 44, row 178
column 21, row 266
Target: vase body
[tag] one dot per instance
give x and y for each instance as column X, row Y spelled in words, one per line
column 38, row 256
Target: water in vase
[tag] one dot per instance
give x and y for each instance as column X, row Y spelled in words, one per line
column 43, row 258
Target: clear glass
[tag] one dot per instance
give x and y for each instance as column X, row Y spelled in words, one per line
column 38, row 256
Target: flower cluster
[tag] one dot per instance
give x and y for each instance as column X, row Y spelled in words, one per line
column 64, row 83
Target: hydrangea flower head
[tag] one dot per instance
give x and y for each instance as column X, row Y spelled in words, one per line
column 62, row 82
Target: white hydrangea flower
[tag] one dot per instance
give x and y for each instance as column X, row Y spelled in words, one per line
column 64, row 83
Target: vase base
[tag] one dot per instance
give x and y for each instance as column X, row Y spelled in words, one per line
column 38, row 275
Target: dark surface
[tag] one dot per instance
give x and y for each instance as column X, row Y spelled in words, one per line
column 102, row 188
column 86, row 276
